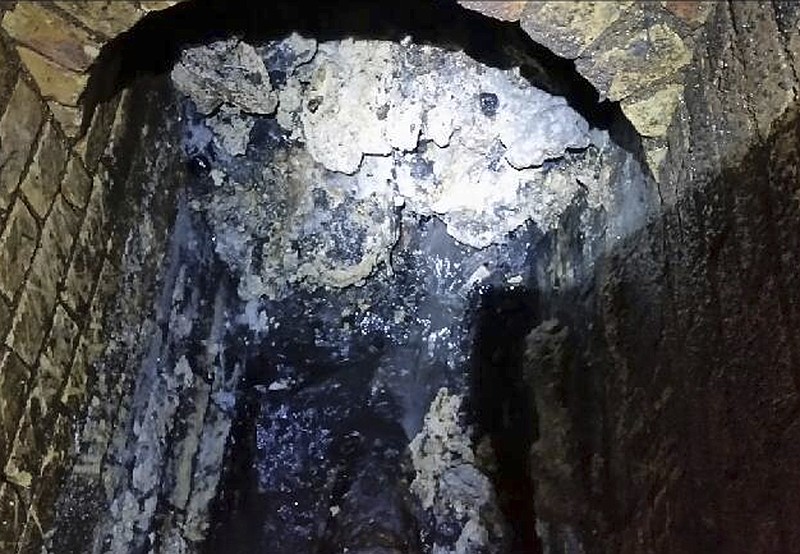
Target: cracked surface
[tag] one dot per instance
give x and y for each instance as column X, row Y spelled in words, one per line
column 365, row 129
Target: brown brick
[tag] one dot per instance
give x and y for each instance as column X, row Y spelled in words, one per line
column 77, row 184
column 8, row 74
column 107, row 17
column 106, row 288
column 59, row 232
column 76, row 389
column 30, row 322
column 55, row 361
column 28, row 448
column 44, row 176
column 5, row 318
column 108, row 285
column 18, row 129
column 568, row 28
column 14, row 385
column 50, row 34
column 629, row 69
column 505, row 10
column 156, row 5
column 94, row 143
column 693, row 12
column 63, row 338
column 17, row 245
column 55, row 82
column 13, row 516
column 119, row 122
column 39, row 296
column 88, row 256
column 53, row 470
column 68, row 117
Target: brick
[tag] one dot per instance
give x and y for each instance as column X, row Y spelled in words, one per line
column 55, row 361
column 68, row 117
column 5, row 318
column 27, row 450
column 94, row 330
column 75, row 392
column 569, row 28
column 108, row 285
column 652, row 115
column 92, row 146
column 8, row 74
column 88, row 256
column 44, row 175
column 17, row 245
column 693, row 12
column 13, row 516
column 30, row 323
column 43, row 437
column 38, row 299
column 505, row 10
column 55, row 82
column 634, row 64
column 90, row 347
column 156, row 5
column 118, row 124
column 77, row 184
column 52, row 35
column 18, row 129
column 53, row 469
column 106, row 17
column 59, row 233
column 14, row 385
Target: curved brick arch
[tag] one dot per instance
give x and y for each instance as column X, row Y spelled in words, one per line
column 59, row 42
column 56, row 253
column 631, row 52
column 635, row 52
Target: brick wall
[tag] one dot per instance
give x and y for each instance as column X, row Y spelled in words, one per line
column 59, row 43
column 58, row 255
column 53, row 248
column 681, row 433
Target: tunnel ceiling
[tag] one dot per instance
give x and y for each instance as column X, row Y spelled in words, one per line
column 632, row 52
column 361, row 130
column 615, row 294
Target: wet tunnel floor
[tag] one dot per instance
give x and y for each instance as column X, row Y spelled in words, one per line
column 339, row 384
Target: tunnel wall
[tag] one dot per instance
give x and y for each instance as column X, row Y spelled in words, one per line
column 700, row 81
column 57, row 269
column 700, row 318
column 65, row 255
column 679, row 354
column 60, row 43
column 675, row 420
column 666, row 378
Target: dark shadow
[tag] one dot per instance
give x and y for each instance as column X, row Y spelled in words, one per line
column 685, row 360
column 154, row 44
column 322, row 440
column 502, row 406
